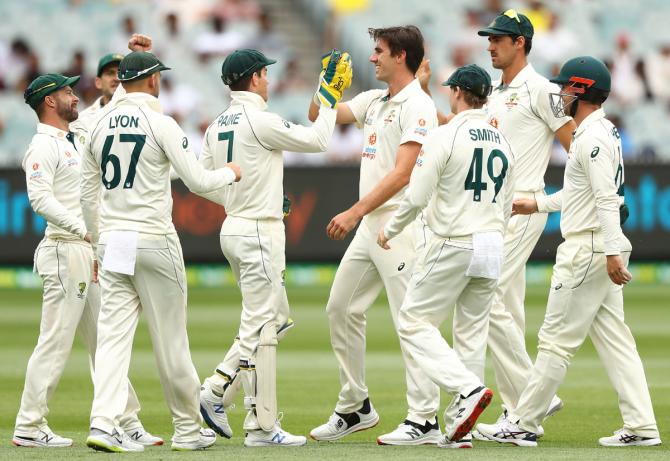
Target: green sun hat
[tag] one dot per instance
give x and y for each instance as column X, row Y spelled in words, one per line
column 471, row 77
column 509, row 23
column 138, row 65
column 241, row 63
column 46, row 84
column 108, row 59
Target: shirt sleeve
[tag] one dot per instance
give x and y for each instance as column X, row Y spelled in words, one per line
column 206, row 159
column 360, row 103
column 542, row 106
column 174, row 143
column 90, row 192
column 40, row 165
column 422, row 184
column 597, row 159
column 549, row 203
column 275, row 133
column 416, row 119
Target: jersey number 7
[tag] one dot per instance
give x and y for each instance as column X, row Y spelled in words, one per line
column 473, row 181
column 139, row 140
column 228, row 136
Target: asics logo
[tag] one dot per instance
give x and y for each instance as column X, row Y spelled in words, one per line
column 401, row 267
column 628, row 438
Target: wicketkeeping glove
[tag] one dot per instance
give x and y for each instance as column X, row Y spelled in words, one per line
column 335, row 78
column 286, row 208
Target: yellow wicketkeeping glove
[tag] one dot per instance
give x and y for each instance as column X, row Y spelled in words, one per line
column 335, row 77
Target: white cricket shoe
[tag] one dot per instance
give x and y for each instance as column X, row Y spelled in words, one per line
column 555, row 406
column 206, row 440
column 141, row 436
column 469, row 409
column 213, row 412
column 277, row 437
column 45, row 439
column 465, row 442
column 116, row 442
column 411, row 433
column 503, row 416
column 342, row 424
column 625, row 438
column 508, row 432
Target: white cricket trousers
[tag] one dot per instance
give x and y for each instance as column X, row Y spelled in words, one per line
column 584, row 301
column 507, row 326
column 70, row 303
column 158, row 288
column 255, row 249
column 437, row 286
column 366, row 268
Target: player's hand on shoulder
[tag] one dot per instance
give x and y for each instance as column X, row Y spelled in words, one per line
column 423, row 74
column 236, row 169
column 617, row 271
column 139, row 42
column 524, row 206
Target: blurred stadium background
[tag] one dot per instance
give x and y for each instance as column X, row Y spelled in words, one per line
column 193, row 37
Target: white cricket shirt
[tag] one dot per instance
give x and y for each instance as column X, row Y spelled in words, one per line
column 522, row 112
column 466, row 166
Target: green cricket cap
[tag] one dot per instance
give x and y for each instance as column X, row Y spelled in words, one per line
column 111, row 58
column 509, row 23
column 138, row 65
column 472, row 78
column 46, row 84
column 241, row 63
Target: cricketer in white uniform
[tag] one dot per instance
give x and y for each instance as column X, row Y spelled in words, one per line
column 132, row 149
column 464, row 179
column 63, row 259
column 586, row 295
column 519, row 107
column 395, row 124
column 107, row 81
column 252, row 235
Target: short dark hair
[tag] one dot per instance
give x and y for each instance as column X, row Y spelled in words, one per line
column 527, row 43
column 402, row 38
column 471, row 99
column 243, row 83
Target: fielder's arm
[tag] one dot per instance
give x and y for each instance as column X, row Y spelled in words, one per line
column 423, row 74
column 40, row 165
column 564, row 134
column 394, row 181
column 90, row 192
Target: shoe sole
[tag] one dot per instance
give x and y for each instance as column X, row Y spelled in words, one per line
column 99, row 446
column 458, row 445
column 272, row 444
column 467, row 425
column 518, row 443
column 23, row 444
column 351, row 430
column 426, row 441
column 642, row 443
column 212, row 425
column 553, row 410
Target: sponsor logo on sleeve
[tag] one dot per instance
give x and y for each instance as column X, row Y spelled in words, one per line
column 421, row 130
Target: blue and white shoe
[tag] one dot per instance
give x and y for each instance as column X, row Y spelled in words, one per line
column 277, row 437
column 625, row 438
column 508, row 432
column 212, row 411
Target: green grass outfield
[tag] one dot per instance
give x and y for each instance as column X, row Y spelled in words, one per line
column 308, row 382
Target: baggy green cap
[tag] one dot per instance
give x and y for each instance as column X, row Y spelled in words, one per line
column 107, row 60
column 509, row 23
column 472, row 78
column 44, row 85
column 241, row 63
column 138, row 65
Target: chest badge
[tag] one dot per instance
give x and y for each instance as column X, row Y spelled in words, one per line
column 390, row 117
column 372, row 140
column 512, row 101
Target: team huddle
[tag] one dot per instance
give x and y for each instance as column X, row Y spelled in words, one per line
column 450, row 208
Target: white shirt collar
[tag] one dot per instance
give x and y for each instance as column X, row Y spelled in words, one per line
column 590, row 119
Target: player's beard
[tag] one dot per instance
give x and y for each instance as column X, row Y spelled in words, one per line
column 67, row 112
